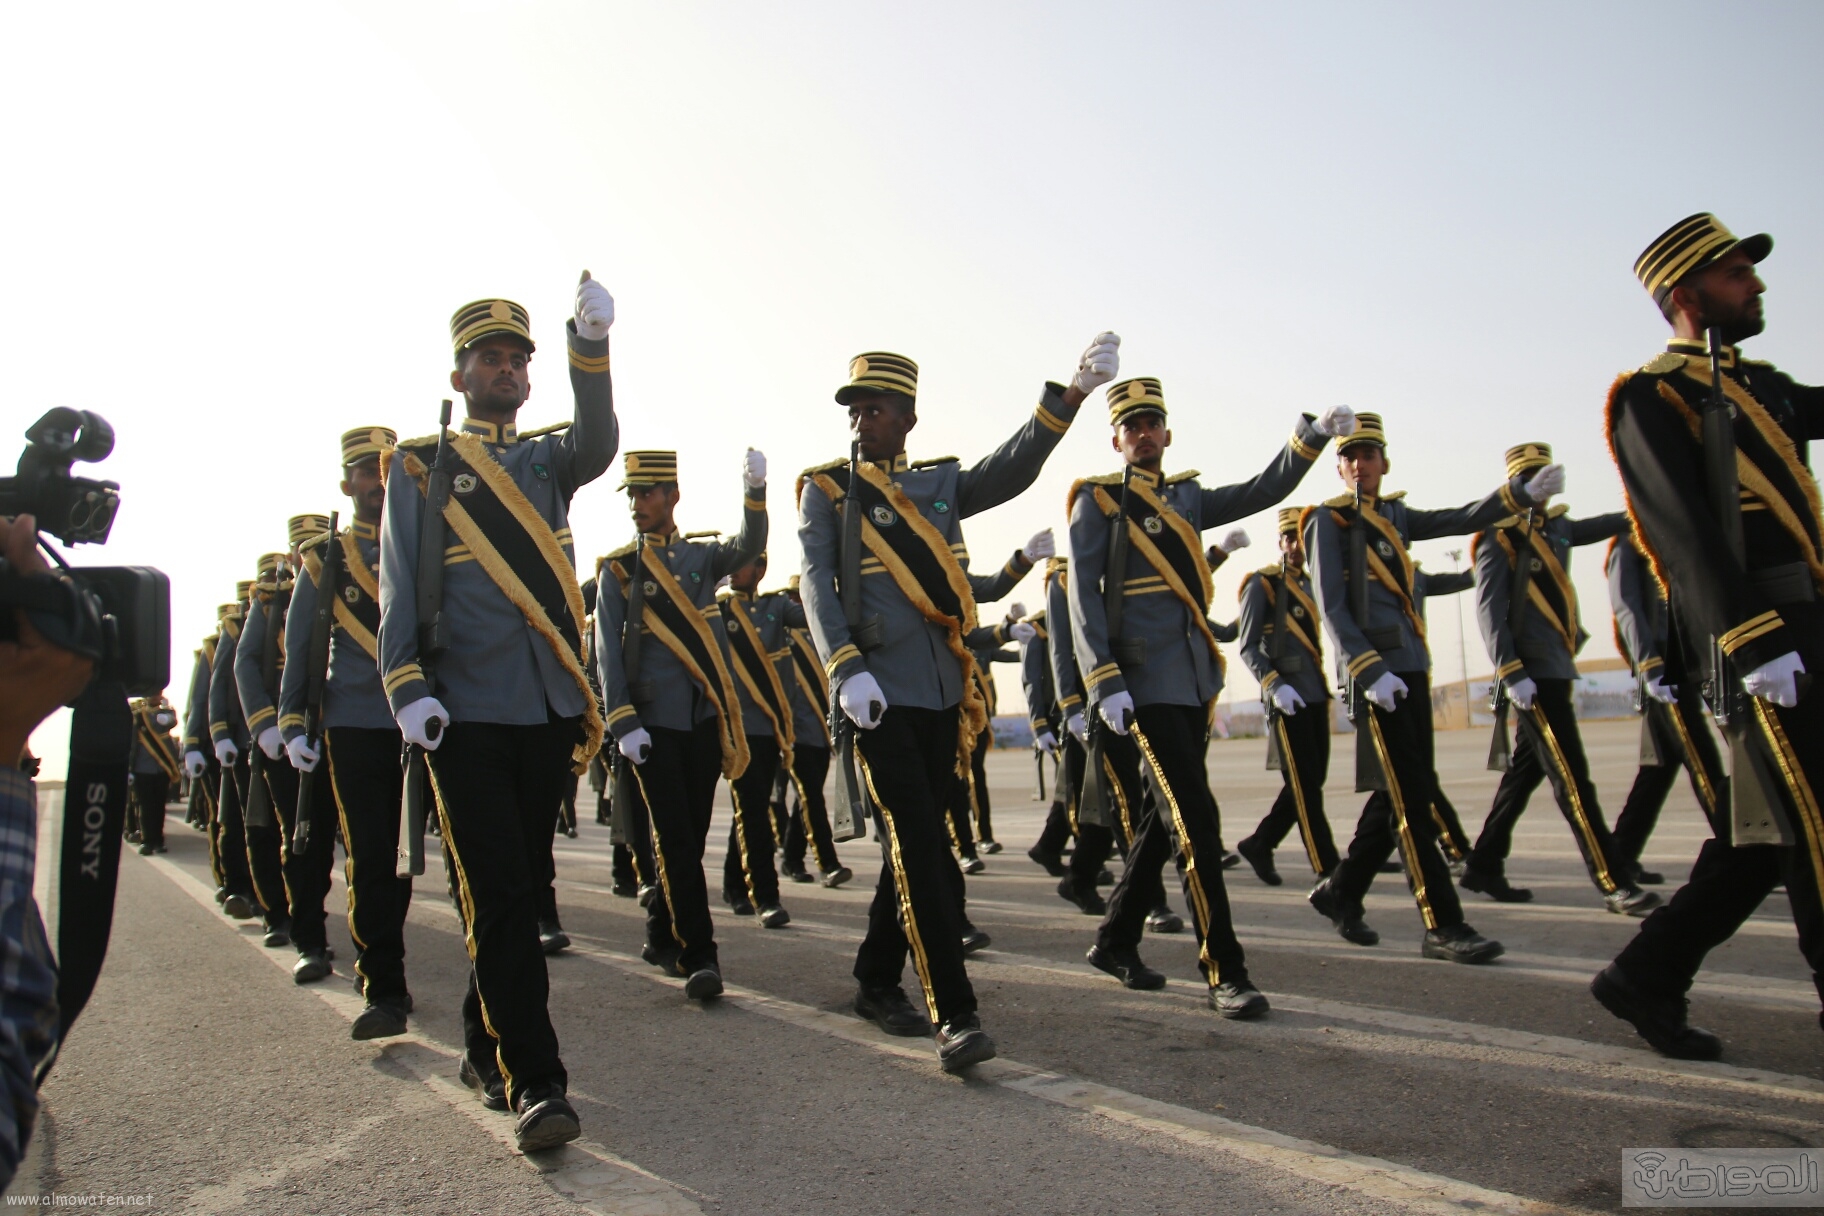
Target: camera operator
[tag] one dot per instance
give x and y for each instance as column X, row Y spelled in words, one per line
column 35, row 678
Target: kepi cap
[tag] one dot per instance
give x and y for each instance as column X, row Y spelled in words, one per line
column 1690, row 245
column 365, row 441
column 1528, row 456
column 484, row 318
column 1141, row 395
column 1288, row 519
column 1368, row 429
column 650, row 468
column 300, row 528
column 879, row 371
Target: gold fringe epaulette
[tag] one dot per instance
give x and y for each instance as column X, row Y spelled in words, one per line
column 625, row 550
column 1187, row 475
column 1076, row 487
column 814, row 470
column 935, row 460
column 1393, row 497
column 1340, row 501
column 1660, row 364
column 1557, row 509
column 1509, row 522
column 701, row 535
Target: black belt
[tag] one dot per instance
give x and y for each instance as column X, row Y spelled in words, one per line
column 1389, row 638
column 1130, row 652
column 1788, row 584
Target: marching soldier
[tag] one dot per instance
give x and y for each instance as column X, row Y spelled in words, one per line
column 1533, row 632
column 801, row 671
column 1379, row 637
column 357, row 741
column 681, row 726
column 1453, row 841
column 233, row 734
column 1047, row 721
column 154, row 765
column 201, row 761
column 510, row 710
column 901, row 669
column 1673, row 730
column 1152, row 675
column 970, row 812
column 1736, row 544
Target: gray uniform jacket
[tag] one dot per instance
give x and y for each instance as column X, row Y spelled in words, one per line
column 225, row 720
column 1540, row 652
column 141, row 760
column 1428, row 584
column 772, row 614
column 678, row 703
column 1327, row 557
column 196, row 707
column 1257, row 615
column 1035, row 677
column 497, row 668
column 1179, row 668
column 1066, row 680
column 1642, row 624
column 352, row 695
column 913, row 665
column 257, row 704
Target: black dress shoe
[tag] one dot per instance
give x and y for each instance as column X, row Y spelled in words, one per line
column 551, row 936
column 739, row 902
column 665, row 958
column 990, row 847
column 972, row 864
column 1163, row 920
column 772, row 916
column 1631, row 901
column 238, row 906
column 961, row 1042
column 221, row 893
column 1461, row 944
column 1088, row 902
column 626, row 890
column 1348, row 921
column 797, row 873
column 1051, row 863
column 704, row 984
column 1495, row 886
column 889, row 1009
column 1261, row 858
column 382, row 1019
column 546, row 1119
column 146, row 850
column 1238, row 1000
column 835, row 878
column 1105, row 877
column 1660, row 1020
column 1392, row 865
column 974, row 939
column 648, row 893
column 1126, row 966
column 1649, row 878
column 278, row 931
column 311, row 966
column 1230, row 860
column 485, row 1081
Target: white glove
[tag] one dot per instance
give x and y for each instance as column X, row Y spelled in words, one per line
column 1661, row 691
column 1233, row 539
column 636, row 745
column 1077, row 726
column 302, row 757
column 195, row 764
column 1522, row 692
column 1286, row 700
column 1774, row 680
column 272, row 742
column 225, row 753
column 753, row 469
column 594, row 309
column 1338, row 421
column 415, row 722
column 1020, row 631
column 1117, row 709
column 1100, row 363
column 862, row 700
column 1016, row 611
column 1047, row 743
column 1386, row 691
column 1545, row 483
column 1041, row 546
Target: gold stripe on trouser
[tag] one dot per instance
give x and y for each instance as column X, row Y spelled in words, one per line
column 747, row 870
column 1444, row 837
column 1811, row 820
column 1200, row 906
column 658, row 857
column 1409, row 851
column 903, row 889
column 956, row 842
column 468, row 919
column 1693, row 761
column 825, row 864
column 348, row 856
column 1113, row 781
column 1604, row 882
column 1298, row 793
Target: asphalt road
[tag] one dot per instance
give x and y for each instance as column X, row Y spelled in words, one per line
column 202, row 1076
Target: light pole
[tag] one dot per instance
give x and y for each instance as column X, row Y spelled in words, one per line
column 1456, row 562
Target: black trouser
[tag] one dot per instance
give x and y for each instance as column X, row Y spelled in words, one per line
column 150, row 790
column 1061, row 819
column 1682, row 738
column 748, row 868
column 566, row 816
column 261, row 845
column 978, row 786
column 909, row 761
column 1550, row 747
column 810, row 822
column 1172, row 740
column 367, row 779
column 227, row 836
column 1304, row 754
column 958, row 815
column 1451, row 836
column 307, row 873
column 1096, row 841
column 1402, row 741
column 497, row 790
column 782, row 818
column 677, row 787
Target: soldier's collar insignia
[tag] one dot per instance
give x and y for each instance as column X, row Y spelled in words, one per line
column 363, row 530
column 1695, row 346
column 489, row 432
column 660, row 538
column 1146, row 477
column 899, row 464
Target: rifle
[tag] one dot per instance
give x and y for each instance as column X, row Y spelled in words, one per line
column 1038, row 764
column 433, row 640
column 1093, row 800
column 322, row 626
column 1368, row 774
column 849, row 820
column 626, row 785
column 259, row 796
column 1519, row 590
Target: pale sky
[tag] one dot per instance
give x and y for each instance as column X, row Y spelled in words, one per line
column 238, row 230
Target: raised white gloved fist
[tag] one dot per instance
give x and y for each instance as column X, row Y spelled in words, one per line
column 1545, row 483
column 225, row 753
column 1020, row 631
column 1233, row 539
column 1117, row 709
column 594, row 309
column 195, row 764
column 416, row 719
column 1338, row 422
column 1099, row 364
column 1016, row 611
column 1041, row 546
column 1286, row 700
column 1523, row 692
column 636, row 745
column 1078, row 728
column 1775, row 680
column 302, row 757
column 862, row 700
column 1046, row 742
column 1386, row 691
column 272, row 742
column 753, row 469
column 1661, row 691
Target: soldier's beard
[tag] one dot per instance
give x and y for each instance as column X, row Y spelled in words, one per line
column 1737, row 325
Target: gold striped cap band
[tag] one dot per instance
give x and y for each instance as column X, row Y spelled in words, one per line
column 241, row 589
column 366, row 441
column 303, row 527
column 1288, row 519
column 1528, row 456
column 879, row 371
column 1137, row 396
column 270, row 562
column 1691, row 244
column 223, row 611
column 650, row 468
column 1368, row 429
column 482, row 318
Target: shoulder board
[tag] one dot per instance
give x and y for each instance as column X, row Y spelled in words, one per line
column 1557, row 509
column 1393, row 497
column 1037, row 618
column 1101, row 479
column 422, row 441
column 925, row 464
column 830, row 467
column 702, row 535
column 1187, row 475
column 1660, row 364
column 625, row 550
column 1509, row 522
column 1269, row 571
column 311, row 543
column 1754, row 362
column 1341, row 500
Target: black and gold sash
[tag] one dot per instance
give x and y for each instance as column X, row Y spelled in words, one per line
column 812, row 681
column 1304, row 627
column 156, row 742
column 1548, row 590
column 1174, row 551
column 755, row 669
column 516, row 546
column 679, row 626
column 1389, row 564
column 357, row 610
column 926, row 571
